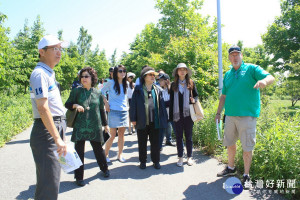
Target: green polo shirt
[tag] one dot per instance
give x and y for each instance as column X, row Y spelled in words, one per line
column 241, row 98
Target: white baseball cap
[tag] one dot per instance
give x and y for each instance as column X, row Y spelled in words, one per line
column 49, row 40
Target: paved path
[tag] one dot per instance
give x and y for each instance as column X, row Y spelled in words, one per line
column 127, row 180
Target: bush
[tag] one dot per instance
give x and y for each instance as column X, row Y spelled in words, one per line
column 276, row 153
column 205, row 132
column 15, row 116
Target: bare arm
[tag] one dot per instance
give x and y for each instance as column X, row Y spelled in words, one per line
column 44, row 111
column 220, row 107
column 107, row 108
column 264, row 82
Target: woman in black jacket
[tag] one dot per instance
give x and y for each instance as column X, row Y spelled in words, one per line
column 183, row 92
column 148, row 113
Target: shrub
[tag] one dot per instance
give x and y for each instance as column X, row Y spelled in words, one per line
column 276, row 153
column 15, row 116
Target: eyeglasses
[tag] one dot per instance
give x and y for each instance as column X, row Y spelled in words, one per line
column 151, row 75
column 85, row 76
column 54, row 48
column 120, row 70
column 130, row 77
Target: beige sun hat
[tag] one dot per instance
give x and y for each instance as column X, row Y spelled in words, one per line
column 182, row 65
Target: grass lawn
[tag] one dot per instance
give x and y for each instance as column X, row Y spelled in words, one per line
column 285, row 106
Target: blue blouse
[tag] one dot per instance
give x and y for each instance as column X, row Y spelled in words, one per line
column 116, row 101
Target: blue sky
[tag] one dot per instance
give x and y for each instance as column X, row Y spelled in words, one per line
column 115, row 23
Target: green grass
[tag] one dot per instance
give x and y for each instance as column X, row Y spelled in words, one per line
column 285, row 106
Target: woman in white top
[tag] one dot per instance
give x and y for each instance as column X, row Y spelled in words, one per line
column 130, row 77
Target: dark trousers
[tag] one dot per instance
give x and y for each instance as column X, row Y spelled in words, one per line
column 47, row 166
column 99, row 154
column 142, row 135
column 185, row 124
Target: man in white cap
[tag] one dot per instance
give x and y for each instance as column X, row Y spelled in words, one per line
column 241, row 98
column 49, row 119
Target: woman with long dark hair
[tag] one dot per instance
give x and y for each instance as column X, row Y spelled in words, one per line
column 117, row 108
column 89, row 121
column 183, row 92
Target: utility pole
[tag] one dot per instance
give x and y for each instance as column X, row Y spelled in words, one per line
column 219, row 48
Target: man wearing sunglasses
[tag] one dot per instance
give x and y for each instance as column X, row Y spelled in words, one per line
column 241, row 97
column 49, row 119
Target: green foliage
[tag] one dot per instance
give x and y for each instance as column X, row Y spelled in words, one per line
column 15, row 116
column 26, row 43
column 205, row 132
column 181, row 35
column 283, row 36
column 277, row 149
column 84, row 41
column 9, row 58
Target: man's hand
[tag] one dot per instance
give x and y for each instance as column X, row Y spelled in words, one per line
column 260, row 84
column 61, row 147
column 218, row 117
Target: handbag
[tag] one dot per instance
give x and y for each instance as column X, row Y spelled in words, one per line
column 106, row 136
column 196, row 110
column 71, row 116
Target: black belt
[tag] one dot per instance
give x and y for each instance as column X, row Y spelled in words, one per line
column 55, row 118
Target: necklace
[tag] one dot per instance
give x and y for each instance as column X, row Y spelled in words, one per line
column 88, row 100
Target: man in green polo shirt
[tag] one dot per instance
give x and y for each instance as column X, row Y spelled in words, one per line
column 241, row 97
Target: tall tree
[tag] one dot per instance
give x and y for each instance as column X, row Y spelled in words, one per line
column 181, row 35
column 84, row 41
column 26, row 43
column 113, row 59
column 9, row 58
column 283, row 36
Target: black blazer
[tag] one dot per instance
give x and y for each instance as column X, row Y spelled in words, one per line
column 137, row 109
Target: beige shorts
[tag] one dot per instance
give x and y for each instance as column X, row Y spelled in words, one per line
column 243, row 128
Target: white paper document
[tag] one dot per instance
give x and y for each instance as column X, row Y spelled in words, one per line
column 71, row 161
column 219, row 129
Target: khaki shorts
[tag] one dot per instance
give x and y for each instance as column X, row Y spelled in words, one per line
column 243, row 128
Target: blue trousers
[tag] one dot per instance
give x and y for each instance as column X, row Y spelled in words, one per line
column 165, row 131
column 185, row 124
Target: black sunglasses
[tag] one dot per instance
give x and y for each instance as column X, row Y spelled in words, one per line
column 85, row 76
column 120, row 70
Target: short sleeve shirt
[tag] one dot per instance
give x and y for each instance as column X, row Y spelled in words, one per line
column 241, row 98
column 43, row 85
column 116, row 101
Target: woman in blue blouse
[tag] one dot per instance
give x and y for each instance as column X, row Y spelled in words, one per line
column 117, row 108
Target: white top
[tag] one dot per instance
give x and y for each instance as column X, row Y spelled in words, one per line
column 165, row 94
column 129, row 91
column 43, row 85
